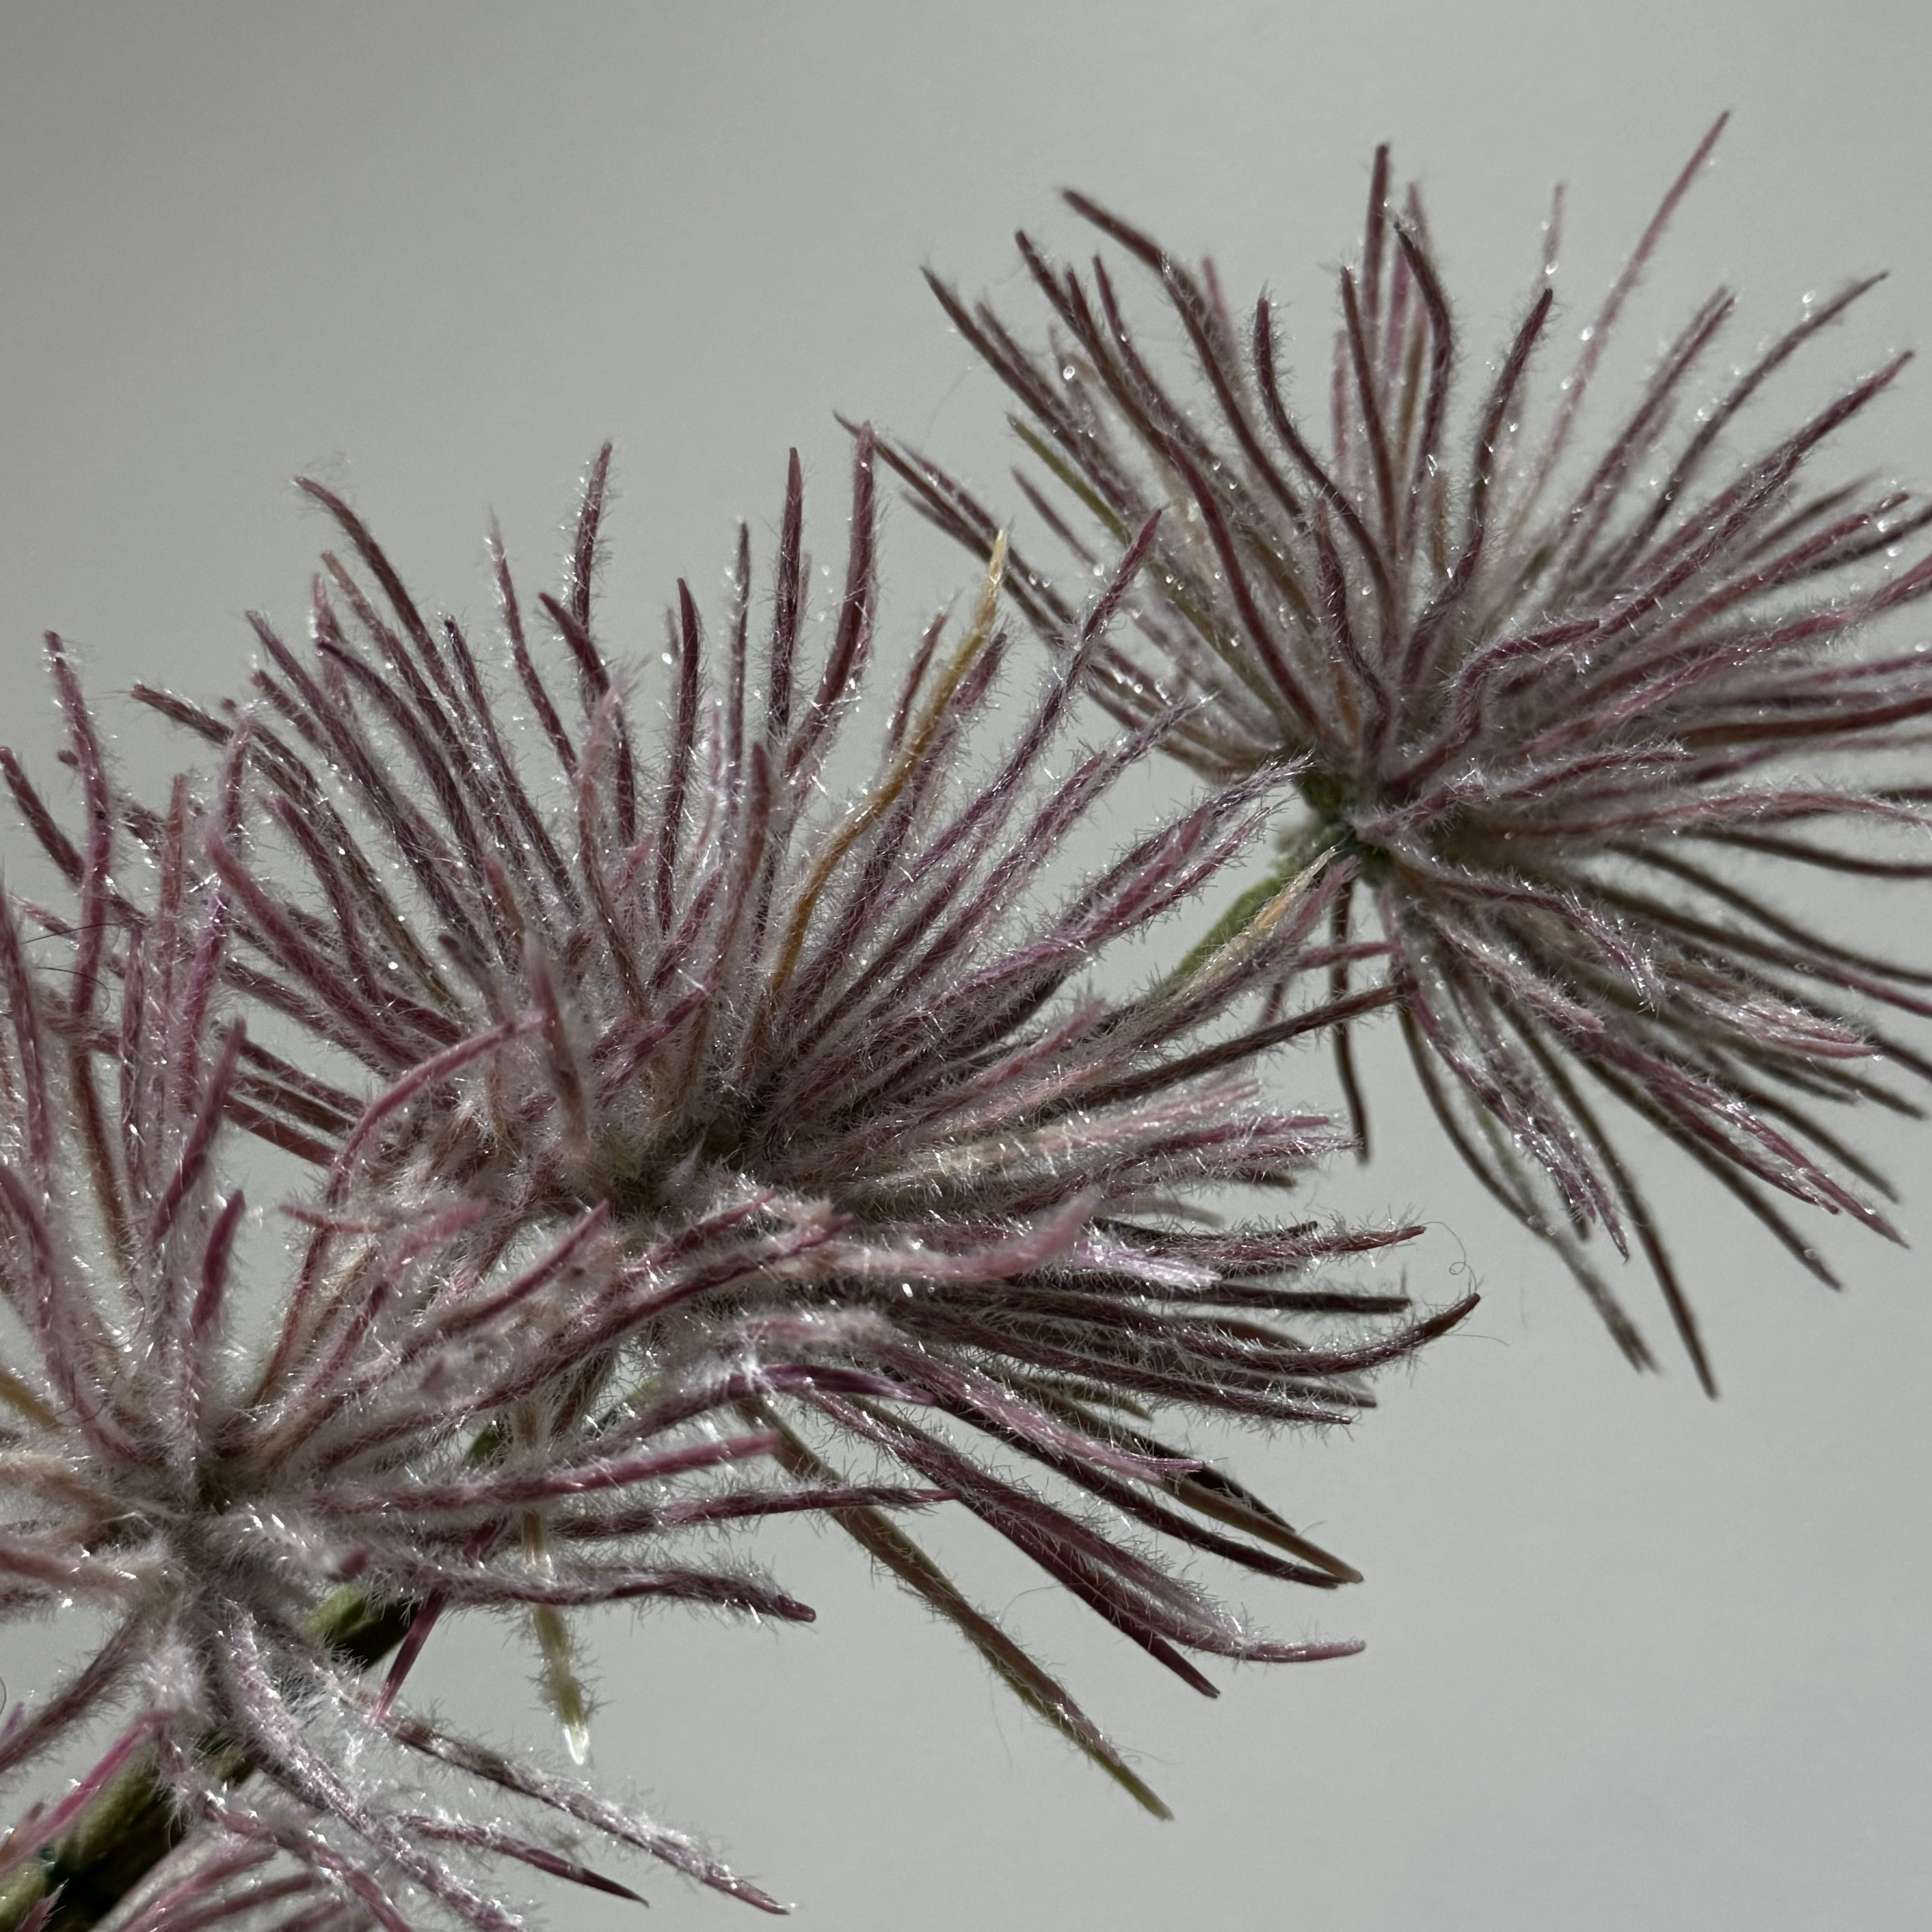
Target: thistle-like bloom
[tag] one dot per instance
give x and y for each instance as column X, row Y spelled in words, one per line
column 254, row 1522
column 793, row 1058
column 1570, row 718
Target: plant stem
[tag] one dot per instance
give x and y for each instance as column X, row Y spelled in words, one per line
column 1300, row 849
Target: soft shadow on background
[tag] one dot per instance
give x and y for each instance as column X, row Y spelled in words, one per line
column 1635, row 1658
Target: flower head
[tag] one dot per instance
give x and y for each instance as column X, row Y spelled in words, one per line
column 1562, row 714
column 256, row 1523
column 816, row 1068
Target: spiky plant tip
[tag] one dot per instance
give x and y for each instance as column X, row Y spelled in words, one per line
column 702, row 1114
column 820, row 1052
column 1548, row 703
column 215, row 1503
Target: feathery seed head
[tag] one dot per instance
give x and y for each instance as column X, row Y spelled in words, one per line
column 709, row 1057
column 255, row 1525
column 1544, row 704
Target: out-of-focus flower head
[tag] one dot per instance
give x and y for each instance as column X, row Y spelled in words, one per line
column 252, row 1521
column 821, row 1062
column 1575, row 720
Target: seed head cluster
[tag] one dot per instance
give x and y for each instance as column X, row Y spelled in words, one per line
column 1581, row 724
column 251, row 1523
column 721, row 1081
column 696, row 1138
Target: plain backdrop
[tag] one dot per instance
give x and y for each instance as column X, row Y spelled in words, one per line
column 1635, row 1658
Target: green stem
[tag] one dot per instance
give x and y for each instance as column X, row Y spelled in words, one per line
column 1300, row 849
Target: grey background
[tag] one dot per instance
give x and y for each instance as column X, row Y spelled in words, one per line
column 1635, row 1659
